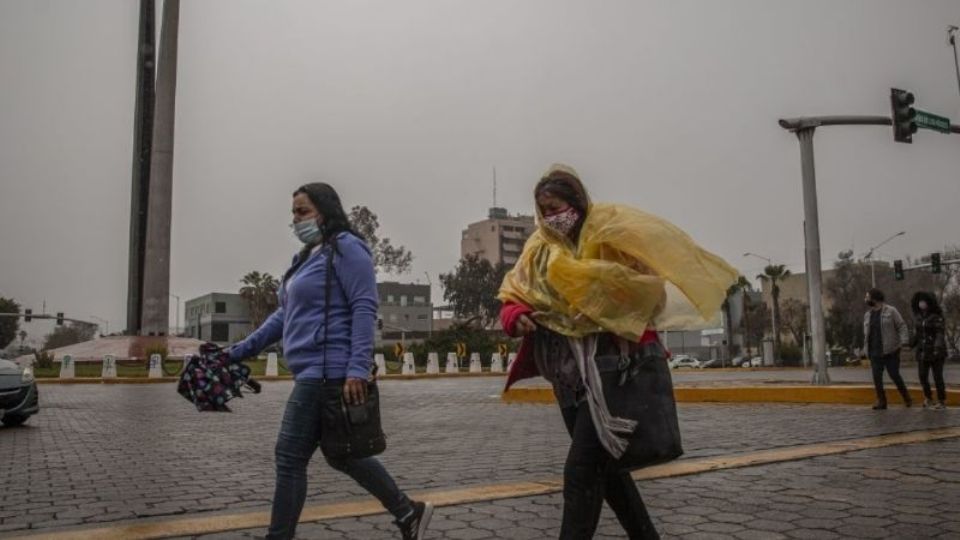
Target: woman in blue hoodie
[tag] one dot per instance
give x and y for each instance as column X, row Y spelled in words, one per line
column 336, row 351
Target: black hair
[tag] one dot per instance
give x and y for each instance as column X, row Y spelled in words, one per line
column 933, row 306
column 335, row 221
column 876, row 295
column 567, row 188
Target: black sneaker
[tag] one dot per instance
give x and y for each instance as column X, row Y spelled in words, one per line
column 880, row 405
column 414, row 527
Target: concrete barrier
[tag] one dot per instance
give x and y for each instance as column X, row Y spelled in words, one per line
column 381, row 364
column 409, row 368
column 496, row 363
column 273, row 365
column 109, row 370
column 452, row 365
column 68, row 369
column 433, row 363
column 156, row 368
column 511, row 358
column 475, row 366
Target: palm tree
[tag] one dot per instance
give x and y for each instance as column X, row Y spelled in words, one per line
column 742, row 284
column 259, row 291
column 775, row 274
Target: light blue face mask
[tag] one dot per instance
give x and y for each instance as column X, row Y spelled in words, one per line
column 307, row 231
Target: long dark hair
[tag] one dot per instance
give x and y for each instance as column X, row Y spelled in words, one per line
column 335, row 221
column 933, row 307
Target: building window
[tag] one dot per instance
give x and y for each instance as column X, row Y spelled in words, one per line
column 389, row 298
column 220, row 307
column 220, row 332
column 419, row 299
column 393, row 317
column 421, row 317
column 403, row 300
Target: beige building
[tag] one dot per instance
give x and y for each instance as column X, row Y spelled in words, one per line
column 499, row 238
column 795, row 287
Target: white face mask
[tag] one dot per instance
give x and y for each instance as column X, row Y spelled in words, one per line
column 563, row 222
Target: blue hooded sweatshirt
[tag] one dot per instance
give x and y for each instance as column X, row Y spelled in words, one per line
column 347, row 348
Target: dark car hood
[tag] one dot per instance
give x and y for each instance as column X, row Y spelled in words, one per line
column 9, row 368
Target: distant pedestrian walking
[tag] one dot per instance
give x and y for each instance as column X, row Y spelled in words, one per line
column 930, row 346
column 885, row 334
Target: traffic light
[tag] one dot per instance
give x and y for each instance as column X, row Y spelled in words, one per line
column 59, row 318
column 902, row 115
column 935, row 265
column 898, row 270
column 27, row 315
column 379, row 324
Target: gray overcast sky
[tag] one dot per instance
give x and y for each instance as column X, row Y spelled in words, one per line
column 405, row 107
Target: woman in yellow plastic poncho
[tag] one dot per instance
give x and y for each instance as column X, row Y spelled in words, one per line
column 597, row 279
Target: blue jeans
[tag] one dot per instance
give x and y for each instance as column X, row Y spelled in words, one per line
column 298, row 440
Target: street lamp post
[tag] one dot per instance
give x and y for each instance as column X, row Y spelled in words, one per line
column 176, row 330
column 869, row 255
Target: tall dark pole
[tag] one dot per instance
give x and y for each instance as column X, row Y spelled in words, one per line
column 142, row 147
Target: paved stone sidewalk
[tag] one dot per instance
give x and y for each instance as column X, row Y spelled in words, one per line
column 103, row 453
column 901, row 492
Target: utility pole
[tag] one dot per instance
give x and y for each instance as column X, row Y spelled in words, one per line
column 804, row 129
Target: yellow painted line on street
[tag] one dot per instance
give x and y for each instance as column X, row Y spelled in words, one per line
column 771, row 393
column 144, row 530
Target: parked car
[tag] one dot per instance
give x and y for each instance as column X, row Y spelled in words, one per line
column 756, row 361
column 712, row 363
column 684, row 361
column 18, row 393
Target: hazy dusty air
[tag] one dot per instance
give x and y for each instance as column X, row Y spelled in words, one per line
column 406, row 106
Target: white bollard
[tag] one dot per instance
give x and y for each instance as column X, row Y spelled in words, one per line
column 433, row 363
column 67, row 367
column 452, row 365
column 496, row 363
column 475, row 366
column 511, row 358
column 109, row 370
column 273, row 365
column 155, row 368
column 381, row 363
column 409, row 368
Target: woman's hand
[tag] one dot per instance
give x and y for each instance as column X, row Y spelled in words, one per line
column 355, row 391
column 525, row 324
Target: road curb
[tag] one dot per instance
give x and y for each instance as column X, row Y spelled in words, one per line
column 773, row 393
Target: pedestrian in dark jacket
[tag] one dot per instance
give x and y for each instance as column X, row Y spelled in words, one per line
column 930, row 345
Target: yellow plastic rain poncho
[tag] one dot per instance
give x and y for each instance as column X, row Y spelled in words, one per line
column 630, row 270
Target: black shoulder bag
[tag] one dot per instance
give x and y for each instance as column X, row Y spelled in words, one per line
column 638, row 386
column 347, row 431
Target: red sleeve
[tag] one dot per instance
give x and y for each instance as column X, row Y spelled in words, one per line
column 509, row 313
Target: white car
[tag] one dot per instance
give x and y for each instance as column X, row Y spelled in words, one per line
column 756, row 361
column 684, row 361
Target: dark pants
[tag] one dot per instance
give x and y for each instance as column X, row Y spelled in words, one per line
column 589, row 478
column 298, row 440
column 891, row 363
column 937, row 365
